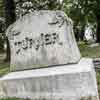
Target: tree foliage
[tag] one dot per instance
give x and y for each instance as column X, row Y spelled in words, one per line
column 1, row 8
column 83, row 12
column 24, row 7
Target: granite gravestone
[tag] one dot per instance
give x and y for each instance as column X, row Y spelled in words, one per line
column 42, row 39
column 45, row 39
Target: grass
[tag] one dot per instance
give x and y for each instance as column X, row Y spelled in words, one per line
column 4, row 68
column 13, row 99
column 85, row 50
column 98, row 80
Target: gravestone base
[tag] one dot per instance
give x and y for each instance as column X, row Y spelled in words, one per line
column 66, row 82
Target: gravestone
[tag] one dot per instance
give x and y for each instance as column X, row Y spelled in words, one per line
column 40, row 40
column 46, row 61
column 90, row 34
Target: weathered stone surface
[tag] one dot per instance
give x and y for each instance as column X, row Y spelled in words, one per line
column 40, row 39
column 68, row 82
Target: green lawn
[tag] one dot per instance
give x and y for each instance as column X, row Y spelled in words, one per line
column 86, row 51
column 98, row 80
column 4, row 68
column 14, row 99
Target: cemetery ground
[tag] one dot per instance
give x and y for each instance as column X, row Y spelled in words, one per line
column 85, row 49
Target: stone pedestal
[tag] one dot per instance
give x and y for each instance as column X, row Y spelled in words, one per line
column 66, row 82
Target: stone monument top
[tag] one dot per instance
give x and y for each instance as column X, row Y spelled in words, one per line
column 42, row 39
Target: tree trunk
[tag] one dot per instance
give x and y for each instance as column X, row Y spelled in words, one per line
column 7, row 51
column 10, row 18
column 98, row 28
column 82, row 33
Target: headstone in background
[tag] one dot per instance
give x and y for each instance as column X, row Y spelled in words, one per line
column 90, row 35
column 42, row 39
